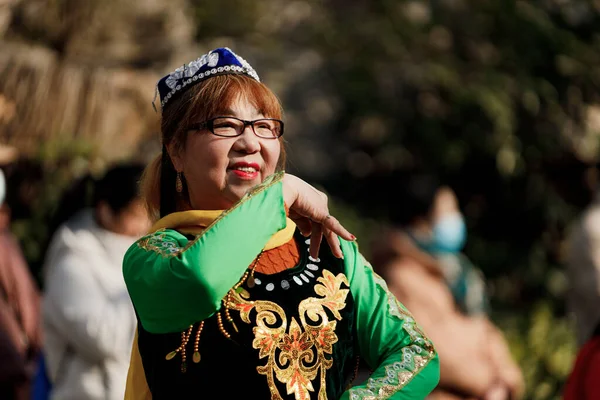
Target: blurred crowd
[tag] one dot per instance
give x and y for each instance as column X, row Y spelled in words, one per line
column 68, row 334
column 72, row 338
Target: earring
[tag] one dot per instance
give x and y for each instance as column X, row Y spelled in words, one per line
column 178, row 183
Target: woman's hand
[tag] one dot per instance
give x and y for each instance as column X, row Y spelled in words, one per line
column 308, row 208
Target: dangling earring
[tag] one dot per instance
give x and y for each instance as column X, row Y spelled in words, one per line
column 178, row 183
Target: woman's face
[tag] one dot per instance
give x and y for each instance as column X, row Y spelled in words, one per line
column 220, row 170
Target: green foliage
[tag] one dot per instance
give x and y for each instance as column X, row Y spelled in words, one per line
column 545, row 348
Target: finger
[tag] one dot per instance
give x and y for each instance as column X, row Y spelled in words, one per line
column 316, row 236
column 334, row 243
column 330, row 222
column 304, row 225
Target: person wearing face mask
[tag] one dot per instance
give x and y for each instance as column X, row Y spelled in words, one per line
column 442, row 233
column 233, row 291
column 88, row 319
column 420, row 258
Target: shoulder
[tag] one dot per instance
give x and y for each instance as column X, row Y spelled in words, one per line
column 403, row 269
column 164, row 242
column 407, row 277
column 76, row 235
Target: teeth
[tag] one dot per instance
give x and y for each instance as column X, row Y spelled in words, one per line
column 246, row 169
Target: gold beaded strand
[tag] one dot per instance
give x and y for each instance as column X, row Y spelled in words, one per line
column 185, row 337
column 196, row 356
column 221, row 327
column 227, row 314
column 227, row 301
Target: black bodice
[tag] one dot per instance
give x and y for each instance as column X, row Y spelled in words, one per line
column 295, row 333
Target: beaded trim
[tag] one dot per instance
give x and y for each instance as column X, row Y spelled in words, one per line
column 215, row 71
column 299, row 279
column 211, row 59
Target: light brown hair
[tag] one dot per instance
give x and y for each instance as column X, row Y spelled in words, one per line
column 199, row 103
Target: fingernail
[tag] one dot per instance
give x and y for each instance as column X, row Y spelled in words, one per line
column 353, row 237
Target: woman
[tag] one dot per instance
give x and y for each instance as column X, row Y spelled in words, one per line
column 421, row 261
column 229, row 295
column 89, row 322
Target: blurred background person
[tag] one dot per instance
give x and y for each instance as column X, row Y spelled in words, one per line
column 88, row 318
column 420, row 258
column 20, row 331
column 583, row 294
column 583, row 262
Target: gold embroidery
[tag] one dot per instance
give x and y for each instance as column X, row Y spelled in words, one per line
column 298, row 354
column 160, row 243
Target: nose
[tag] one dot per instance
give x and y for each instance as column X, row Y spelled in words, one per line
column 248, row 142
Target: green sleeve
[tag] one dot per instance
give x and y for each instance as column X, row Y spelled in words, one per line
column 174, row 282
column 404, row 362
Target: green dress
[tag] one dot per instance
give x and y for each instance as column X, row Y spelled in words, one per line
column 296, row 334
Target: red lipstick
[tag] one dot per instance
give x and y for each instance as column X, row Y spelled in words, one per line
column 245, row 170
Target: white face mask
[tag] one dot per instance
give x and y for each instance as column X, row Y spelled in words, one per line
column 2, row 187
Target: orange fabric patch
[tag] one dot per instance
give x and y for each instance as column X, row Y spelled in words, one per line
column 279, row 259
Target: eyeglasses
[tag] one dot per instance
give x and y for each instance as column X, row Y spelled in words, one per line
column 267, row 128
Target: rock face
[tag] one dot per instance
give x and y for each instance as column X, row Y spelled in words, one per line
column 86, row 70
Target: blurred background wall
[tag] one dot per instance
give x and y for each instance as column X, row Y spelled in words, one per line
column 500, row 98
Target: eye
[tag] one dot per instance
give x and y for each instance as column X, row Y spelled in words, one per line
column 263, row 125
column 224, row 124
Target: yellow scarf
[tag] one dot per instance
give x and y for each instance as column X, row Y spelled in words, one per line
column 194, row 222
column 188, row 222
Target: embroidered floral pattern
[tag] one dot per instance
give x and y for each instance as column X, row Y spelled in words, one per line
column 397, row 375
column 414, row 357
column 187, row 71
column 162, row 244
column 297, row 354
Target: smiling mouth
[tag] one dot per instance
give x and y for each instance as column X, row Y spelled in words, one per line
column 245, row 172
column 249, row 170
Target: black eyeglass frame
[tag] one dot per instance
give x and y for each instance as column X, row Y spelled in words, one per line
column 209, row 124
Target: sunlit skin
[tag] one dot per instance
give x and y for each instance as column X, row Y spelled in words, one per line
column 211, row 164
